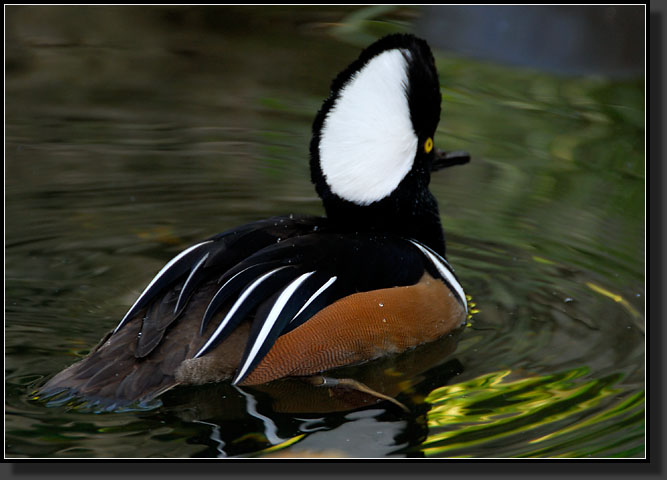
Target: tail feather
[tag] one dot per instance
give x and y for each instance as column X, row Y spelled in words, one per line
column 111, row 375
column 114, row 374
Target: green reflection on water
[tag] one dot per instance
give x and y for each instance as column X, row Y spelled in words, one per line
column 551, row 415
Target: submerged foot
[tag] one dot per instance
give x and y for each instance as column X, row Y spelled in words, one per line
column 351, row 384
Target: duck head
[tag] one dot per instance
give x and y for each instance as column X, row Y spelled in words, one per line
column 372, row 150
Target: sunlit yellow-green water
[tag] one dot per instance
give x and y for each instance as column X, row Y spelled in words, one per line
column 538, row 416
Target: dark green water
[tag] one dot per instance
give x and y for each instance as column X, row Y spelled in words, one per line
column 132, row 133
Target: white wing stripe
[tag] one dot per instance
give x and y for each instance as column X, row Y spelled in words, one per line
column 235, row 307
column 192, row 272
column 223, row 287
column 159, row 274
column 270, row 321
column 315, row 295
column 440, row 263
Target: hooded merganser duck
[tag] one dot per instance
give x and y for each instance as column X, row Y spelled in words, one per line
column 295, row 296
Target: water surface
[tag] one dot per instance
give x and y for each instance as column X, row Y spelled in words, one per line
column 140, row 131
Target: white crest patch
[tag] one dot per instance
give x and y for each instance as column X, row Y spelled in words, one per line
column 367, row 142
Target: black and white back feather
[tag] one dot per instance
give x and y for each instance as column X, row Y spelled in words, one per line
column 284, row 283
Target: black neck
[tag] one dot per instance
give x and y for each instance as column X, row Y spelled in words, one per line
column 411, row 211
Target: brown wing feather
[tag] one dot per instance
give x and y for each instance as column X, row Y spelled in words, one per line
column 113, row 373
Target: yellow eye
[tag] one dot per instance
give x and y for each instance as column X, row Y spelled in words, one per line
column 428, row 145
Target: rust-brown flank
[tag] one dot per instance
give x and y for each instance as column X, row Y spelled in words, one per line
column 362, row 327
